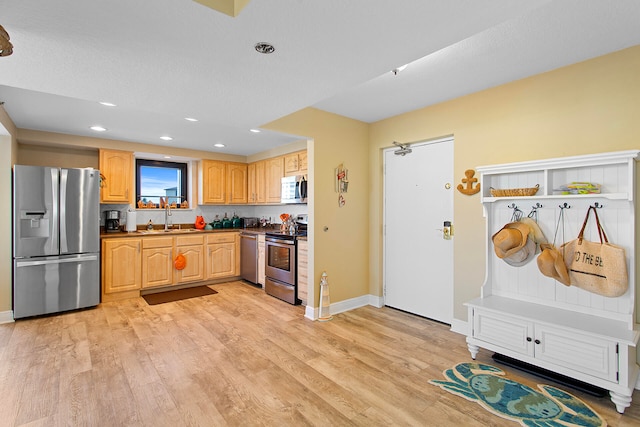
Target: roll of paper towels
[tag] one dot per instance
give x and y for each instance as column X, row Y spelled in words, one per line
column 131, row 221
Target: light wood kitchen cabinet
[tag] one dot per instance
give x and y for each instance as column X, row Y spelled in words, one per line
column 212, row 184
column 117, row 169
column 192, row 248
column 256, row 185
column 274, row 173
column 236, row 175
column 223, row 182
column 251, row 183
column 223, row 255
column 295, row 163
column 121, row 265
column 157, row 266
column 303, row 271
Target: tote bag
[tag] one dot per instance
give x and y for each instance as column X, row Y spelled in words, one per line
column 601, row 267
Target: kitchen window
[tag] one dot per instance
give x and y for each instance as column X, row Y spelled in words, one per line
column 156, row 178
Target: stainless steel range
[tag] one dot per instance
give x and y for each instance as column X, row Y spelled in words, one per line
column 281, row 279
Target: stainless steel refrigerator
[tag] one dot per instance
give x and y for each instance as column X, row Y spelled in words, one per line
column 56, row 239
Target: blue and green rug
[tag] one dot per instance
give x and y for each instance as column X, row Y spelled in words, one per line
column 486, row 385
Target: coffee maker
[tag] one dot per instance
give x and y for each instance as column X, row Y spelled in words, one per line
column 112, row 221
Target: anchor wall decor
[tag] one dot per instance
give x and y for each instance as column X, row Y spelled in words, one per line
column 469, row 190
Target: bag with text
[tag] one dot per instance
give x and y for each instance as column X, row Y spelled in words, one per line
column 601, row 267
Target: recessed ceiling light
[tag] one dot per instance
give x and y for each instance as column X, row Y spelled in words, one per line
column 167, row 157
column 264, row 47
column 190, row 119
column 254, row 130
column 98, row 128
column 219, row 145
column 108, row 104
column 166, row 138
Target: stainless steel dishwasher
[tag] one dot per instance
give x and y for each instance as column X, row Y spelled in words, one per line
column 249, row 257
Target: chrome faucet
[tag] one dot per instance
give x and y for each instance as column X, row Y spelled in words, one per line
column 167, row 214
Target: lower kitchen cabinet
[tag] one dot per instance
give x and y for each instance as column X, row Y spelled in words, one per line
column 192, row 248
column 130, row 265
column 303, row 271
column 157, row 268
column 121, row 266
column 223, row 255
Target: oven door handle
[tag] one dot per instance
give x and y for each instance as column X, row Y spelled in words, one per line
column 285, row 242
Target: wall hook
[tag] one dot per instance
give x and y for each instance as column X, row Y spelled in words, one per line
column 517, row 213
column 598, row 205
column 564, row 206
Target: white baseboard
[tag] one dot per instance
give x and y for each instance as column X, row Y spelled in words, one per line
column 6, row 316
column 377, row 302
column 459, row 327
column 310, row 313
column 342, row 306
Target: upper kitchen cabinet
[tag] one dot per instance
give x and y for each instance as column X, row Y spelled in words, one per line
column 236, row 183
column 257, row 182
column 116, row 168
column 274, row 174
column 295, row 163
column 223, row 182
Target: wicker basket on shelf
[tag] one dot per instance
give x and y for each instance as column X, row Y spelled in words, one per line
column 510, row 192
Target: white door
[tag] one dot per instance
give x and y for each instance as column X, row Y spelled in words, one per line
column 418, row 261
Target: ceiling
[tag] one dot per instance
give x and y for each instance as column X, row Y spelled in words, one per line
column 161, row 61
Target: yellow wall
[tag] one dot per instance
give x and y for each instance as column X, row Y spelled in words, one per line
column 8, row 148
column 584, row 108
column 63, row 157
column 342, row 250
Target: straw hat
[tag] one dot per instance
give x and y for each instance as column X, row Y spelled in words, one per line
column 510, row 239
column 551, row 264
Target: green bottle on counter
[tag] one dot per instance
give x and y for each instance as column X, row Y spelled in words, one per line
column 226, row 221
column 236, row 222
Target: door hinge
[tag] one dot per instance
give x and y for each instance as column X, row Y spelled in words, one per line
column 617, row 348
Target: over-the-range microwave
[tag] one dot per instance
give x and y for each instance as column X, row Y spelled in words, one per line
column 294, row 189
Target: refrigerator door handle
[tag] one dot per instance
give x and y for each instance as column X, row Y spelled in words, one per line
column 54, row 211
column 63, row 217
column 82, row 258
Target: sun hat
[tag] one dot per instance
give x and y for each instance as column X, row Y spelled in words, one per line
column 524, row 255
column 511, row 239
column 551, row 264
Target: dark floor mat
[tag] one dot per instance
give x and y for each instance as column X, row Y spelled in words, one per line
column 177, row 295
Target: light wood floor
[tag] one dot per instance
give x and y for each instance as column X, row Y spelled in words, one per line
column 239, row 357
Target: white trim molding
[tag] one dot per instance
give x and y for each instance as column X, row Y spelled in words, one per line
column 459, row 327
column 313, row 313
column 6, row 316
